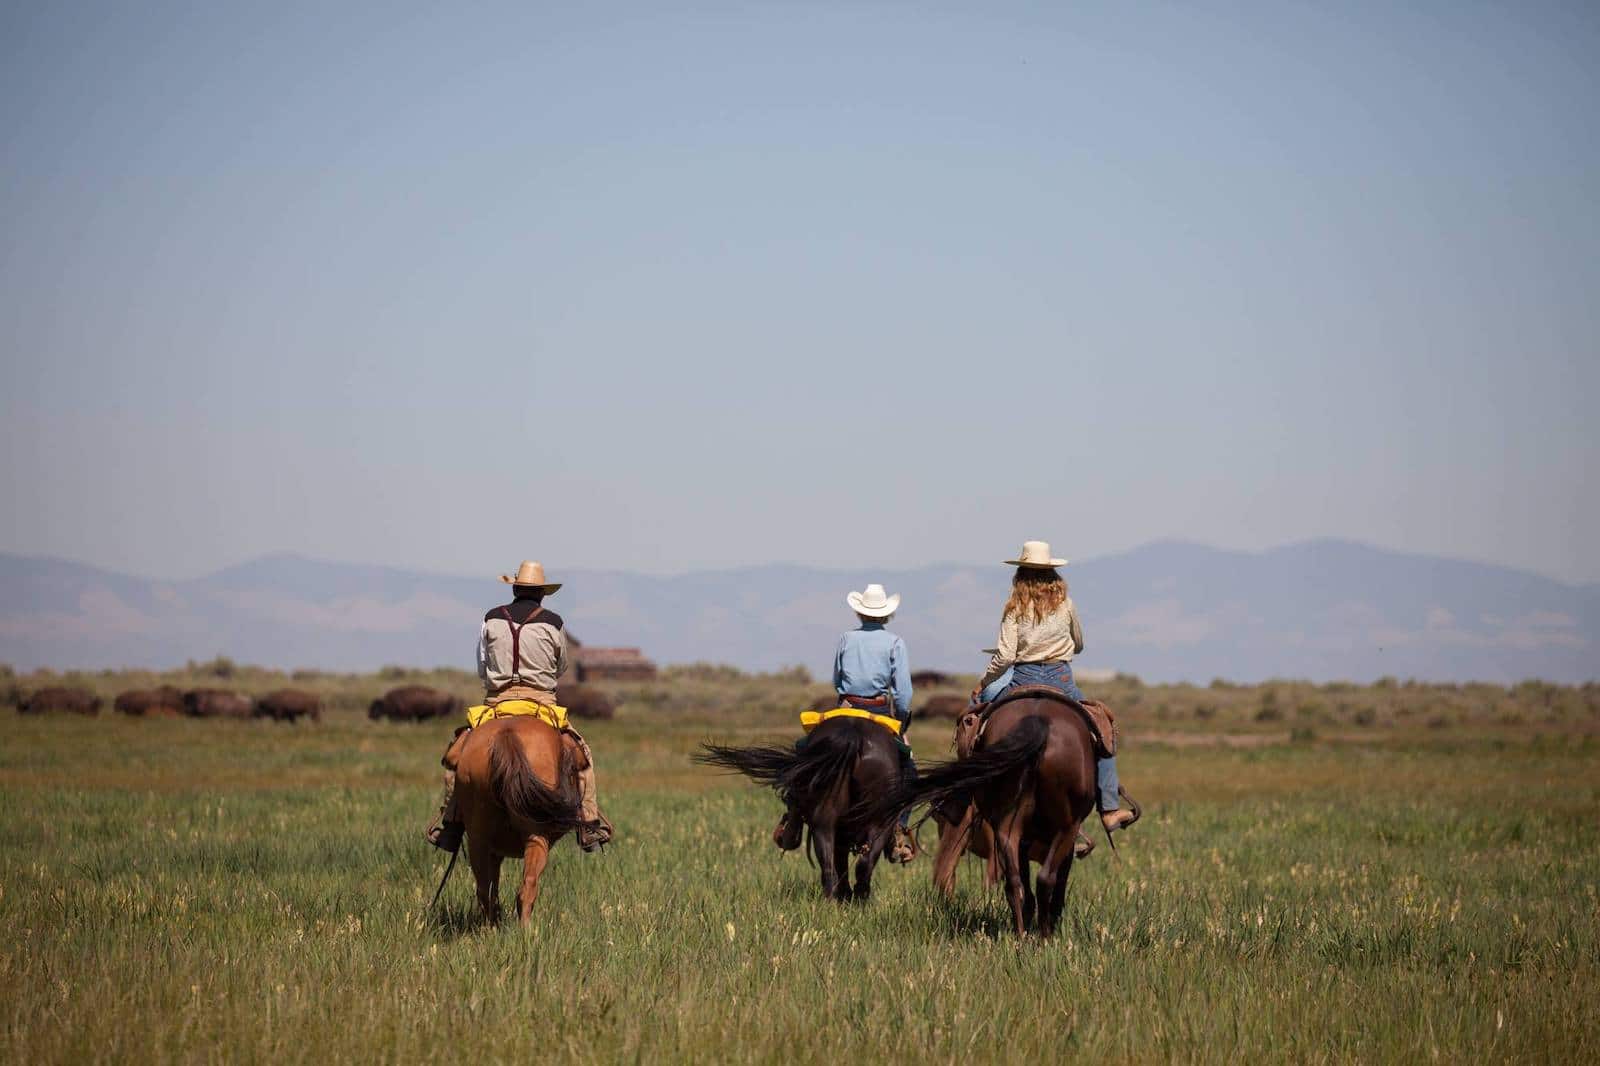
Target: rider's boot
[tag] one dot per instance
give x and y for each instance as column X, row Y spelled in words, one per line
column 905, row 845
column 596, row 832
column 1118, row 819
column 446, row 829
column 789, row 831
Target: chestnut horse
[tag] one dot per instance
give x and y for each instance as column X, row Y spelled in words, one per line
column 1032, row 779
column 517, row 791
column 846, row 766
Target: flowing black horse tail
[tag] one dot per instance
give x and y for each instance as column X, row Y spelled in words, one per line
column 1014, row 753
column 527, row 799
column 799, row 776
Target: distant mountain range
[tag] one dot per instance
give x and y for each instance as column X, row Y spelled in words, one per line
column 1168, row 611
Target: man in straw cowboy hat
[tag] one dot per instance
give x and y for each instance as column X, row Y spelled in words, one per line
column 522, row 650
column 871, row 673
column 1039, row 635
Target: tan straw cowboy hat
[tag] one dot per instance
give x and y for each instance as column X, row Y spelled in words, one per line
column 530, row 575
column 1036, row 554
column 873, row 603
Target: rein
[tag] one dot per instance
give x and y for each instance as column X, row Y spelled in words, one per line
column 448, row 870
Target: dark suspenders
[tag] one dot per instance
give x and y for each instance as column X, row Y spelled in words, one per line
column 516, row 637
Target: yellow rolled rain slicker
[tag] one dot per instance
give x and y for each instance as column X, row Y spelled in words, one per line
column 552, row 715
column 809, row 720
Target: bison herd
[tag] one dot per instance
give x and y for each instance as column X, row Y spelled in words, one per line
column 408, row 703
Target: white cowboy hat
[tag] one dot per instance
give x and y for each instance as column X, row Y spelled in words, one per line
column 1036, row 554
column 873, row 602
column 530, row 575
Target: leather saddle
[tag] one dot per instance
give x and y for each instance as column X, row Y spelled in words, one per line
column 1096, row 715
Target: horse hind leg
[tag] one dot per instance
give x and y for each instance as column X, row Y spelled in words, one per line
column 1007, row 839
column 486, row 872
column 534, row 858
column 1053, row 874
column 869, row 861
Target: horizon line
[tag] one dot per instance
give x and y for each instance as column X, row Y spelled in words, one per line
column 1179, row 542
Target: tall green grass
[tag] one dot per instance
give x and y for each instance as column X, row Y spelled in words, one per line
column 244, row 891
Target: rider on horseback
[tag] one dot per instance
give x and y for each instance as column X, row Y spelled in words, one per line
column 871, row 673
column 1039, row 635
column 522, row 649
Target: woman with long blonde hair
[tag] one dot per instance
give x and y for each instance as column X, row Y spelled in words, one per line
column 1039, row 635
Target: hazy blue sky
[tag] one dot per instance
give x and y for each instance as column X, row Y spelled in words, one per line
column 449, row 285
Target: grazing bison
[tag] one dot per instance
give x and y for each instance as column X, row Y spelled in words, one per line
column 60, row 698
column 215, row 703
column 288, row 704
column 931, row 678
column 941, row 706
column 585, row 701
column 163, row 702
column 413, row 703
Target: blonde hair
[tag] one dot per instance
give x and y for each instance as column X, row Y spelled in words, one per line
column 1036, row 594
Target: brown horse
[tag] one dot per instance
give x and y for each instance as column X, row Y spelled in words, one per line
column 517, row 792
column 832, row 779
column 1032, row 779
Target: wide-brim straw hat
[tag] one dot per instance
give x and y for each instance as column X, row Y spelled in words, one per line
column 873, row 602
column 1036, row 555
column 530, row 575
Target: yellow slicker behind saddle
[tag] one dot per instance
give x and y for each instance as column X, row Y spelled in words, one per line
column 553, row 716
column 809, row 720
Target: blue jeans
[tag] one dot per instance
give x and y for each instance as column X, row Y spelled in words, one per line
column 1059, row 676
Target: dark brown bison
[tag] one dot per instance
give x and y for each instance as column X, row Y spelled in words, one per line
column 59, row 698
column 163, row 702
column 931, row 678
column 945, row 705
column 216, row 703
column 585, row 701
column 289, row 704
column 413, row 703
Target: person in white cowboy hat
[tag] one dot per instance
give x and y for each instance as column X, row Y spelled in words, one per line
column 871, row 672
column 1039, row 635
column 522, row 650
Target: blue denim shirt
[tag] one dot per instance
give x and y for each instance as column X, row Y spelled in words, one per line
column 869, row 659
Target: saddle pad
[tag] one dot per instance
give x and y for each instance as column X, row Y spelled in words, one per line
column 809, row 720
column 549, row 713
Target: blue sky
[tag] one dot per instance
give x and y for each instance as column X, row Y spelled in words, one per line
column 671, row 288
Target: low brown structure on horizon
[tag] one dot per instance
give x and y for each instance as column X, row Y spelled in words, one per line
column 609, row 664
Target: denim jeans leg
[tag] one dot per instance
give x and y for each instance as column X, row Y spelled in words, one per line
column 1106, row 776
column 908, row 774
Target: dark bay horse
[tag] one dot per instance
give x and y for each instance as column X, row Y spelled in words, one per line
column 834, row 780
column 517, row 791
column 1032, row 779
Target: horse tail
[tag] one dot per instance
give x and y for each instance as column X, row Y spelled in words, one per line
column 1014, row 753
column 528, row 800
column 799, row 776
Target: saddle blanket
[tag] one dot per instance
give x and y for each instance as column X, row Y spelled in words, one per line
column 809, row 720
column 552, row 715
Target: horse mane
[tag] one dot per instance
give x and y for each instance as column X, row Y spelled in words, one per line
column 524, row 796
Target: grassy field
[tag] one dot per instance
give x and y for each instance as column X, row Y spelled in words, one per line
column 1323, row 874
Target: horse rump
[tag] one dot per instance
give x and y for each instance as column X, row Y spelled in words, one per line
column 527, row 799
column 950, row 785
column 800, row 776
